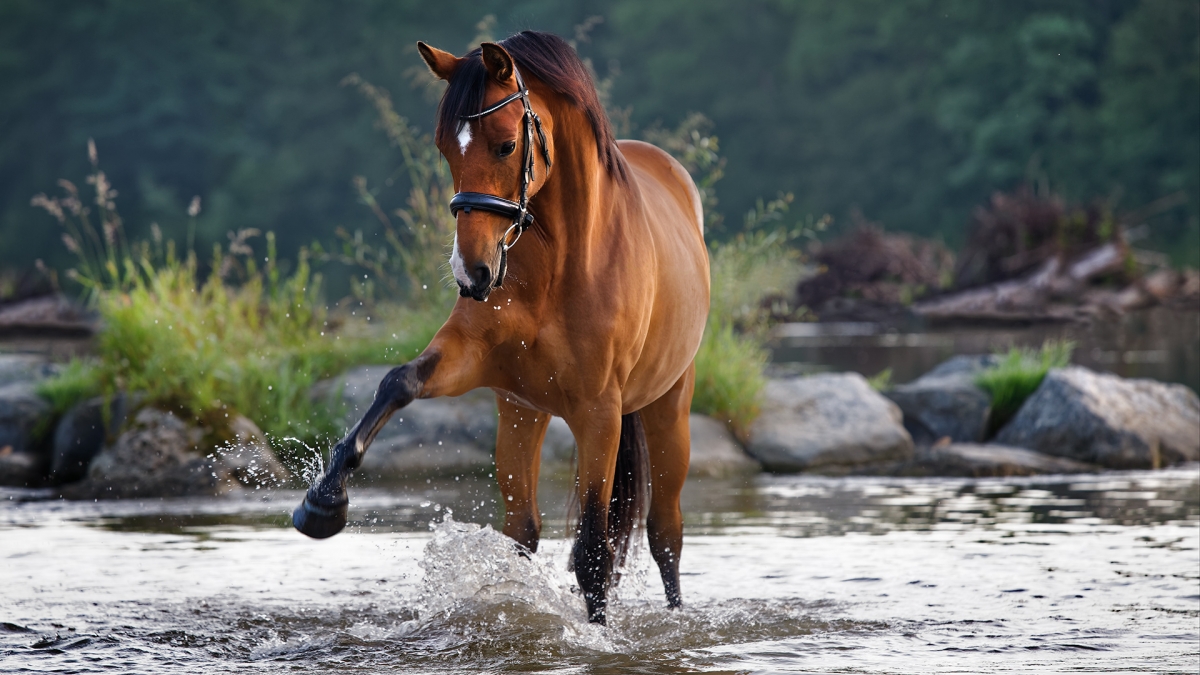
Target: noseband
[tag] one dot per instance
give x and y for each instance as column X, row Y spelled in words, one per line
column 517, row 211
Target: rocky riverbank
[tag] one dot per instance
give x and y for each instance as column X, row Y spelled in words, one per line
column 938, row 425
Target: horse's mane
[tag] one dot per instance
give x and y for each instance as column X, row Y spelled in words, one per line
column 552, row 61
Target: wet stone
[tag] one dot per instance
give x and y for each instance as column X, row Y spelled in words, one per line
column 988, row 460
column 159, row 455
column 825, row 421
column 1103, row 419
column 22, row 413
column 715, row 452
column 945, row 402
column 81, row 434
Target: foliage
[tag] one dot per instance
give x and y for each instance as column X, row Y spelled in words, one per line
column 1018, row 374
column 247, row 339
column 913, row 112
column 729, row 376
column 882, row 380
column 77, row 381
column 411, row 262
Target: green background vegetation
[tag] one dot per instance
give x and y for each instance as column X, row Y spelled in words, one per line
column 911, row 113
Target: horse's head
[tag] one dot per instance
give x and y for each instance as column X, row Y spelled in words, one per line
column 491, row 156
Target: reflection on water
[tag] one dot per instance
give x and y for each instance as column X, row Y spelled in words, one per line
column 1160, row 344
column 780, row 574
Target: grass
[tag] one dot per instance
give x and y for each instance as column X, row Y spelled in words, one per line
column 244, row 338
column 753, row 265
column 1019, row 373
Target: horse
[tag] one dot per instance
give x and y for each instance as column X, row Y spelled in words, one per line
column 595, row 317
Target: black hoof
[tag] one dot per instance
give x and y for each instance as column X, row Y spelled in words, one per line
column 320, row 522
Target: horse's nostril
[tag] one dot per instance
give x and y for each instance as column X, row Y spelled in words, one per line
column 481, row 275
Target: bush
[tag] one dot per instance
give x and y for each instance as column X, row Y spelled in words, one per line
column 1017, row 376
column 244, row 340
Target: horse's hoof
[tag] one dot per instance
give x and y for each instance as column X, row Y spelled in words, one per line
column 320, row 522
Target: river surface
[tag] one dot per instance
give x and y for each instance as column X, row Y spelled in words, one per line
column 780, row 574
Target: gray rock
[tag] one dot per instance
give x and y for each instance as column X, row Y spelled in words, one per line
column 22, row 412
column 1103, row 419
column 81, row 434
column 159, row 456
column 826, row 421
column 21, row 469
column 714, row 450
column 429, row 436
column 988, row 460
column 24, row 368
column 945, row 402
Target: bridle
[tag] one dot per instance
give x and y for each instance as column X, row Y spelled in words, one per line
column 518, row 211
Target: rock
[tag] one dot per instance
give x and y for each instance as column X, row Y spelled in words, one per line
column 24, row 368
column 20, row 469
column 945, row 402
column 429, row 436
column 827, row 420
column 81, row 434
column 1103, row 419
column 51, row 314
column 714, row 450
column 159, row 456
column 22, row 411
column 988, row 460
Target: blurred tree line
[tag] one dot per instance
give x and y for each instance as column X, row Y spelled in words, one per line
column 907, row 113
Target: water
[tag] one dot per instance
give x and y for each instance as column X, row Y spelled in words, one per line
column 1159, row 343
column 780, row 574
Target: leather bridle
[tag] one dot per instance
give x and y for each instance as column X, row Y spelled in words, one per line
column 518, row 211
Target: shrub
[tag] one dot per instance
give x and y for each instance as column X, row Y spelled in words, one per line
column 246, row 339
column 1017, row 376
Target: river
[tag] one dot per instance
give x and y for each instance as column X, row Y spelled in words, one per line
column 1096, row 573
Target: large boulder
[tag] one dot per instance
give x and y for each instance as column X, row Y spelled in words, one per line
column 714, row 450
column 988, row 460
column 22, row 413
column 159, row 455
column 429, row 436
column 1103, row 419
column 945, row 403
column 82, row 433
column 829, row 421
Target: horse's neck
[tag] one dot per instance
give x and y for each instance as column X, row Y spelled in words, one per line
column 580, row 200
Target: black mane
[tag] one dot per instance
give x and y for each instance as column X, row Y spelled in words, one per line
column 552, row 61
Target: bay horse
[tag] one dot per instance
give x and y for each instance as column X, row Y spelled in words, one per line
column 595, row 316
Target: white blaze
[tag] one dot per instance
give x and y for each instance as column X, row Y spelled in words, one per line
column 464, row 137
column 456, row 265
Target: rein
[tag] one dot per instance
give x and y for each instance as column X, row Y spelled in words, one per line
column 517, row 211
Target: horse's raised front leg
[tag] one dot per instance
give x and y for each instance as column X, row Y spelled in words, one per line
column 669, row 443
column 518, row 459
column 446, row 368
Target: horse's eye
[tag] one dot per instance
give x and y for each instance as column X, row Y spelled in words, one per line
column 507, row 148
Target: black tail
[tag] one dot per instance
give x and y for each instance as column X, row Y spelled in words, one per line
column 627, row 508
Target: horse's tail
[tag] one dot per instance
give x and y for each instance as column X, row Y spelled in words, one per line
column 631, row 489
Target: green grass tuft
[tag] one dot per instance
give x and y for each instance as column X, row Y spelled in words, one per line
column 1019, row 373
column 77, row 381
column 729, row 376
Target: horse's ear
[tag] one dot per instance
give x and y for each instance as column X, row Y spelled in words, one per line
column 498, row 62
column 441, row 64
